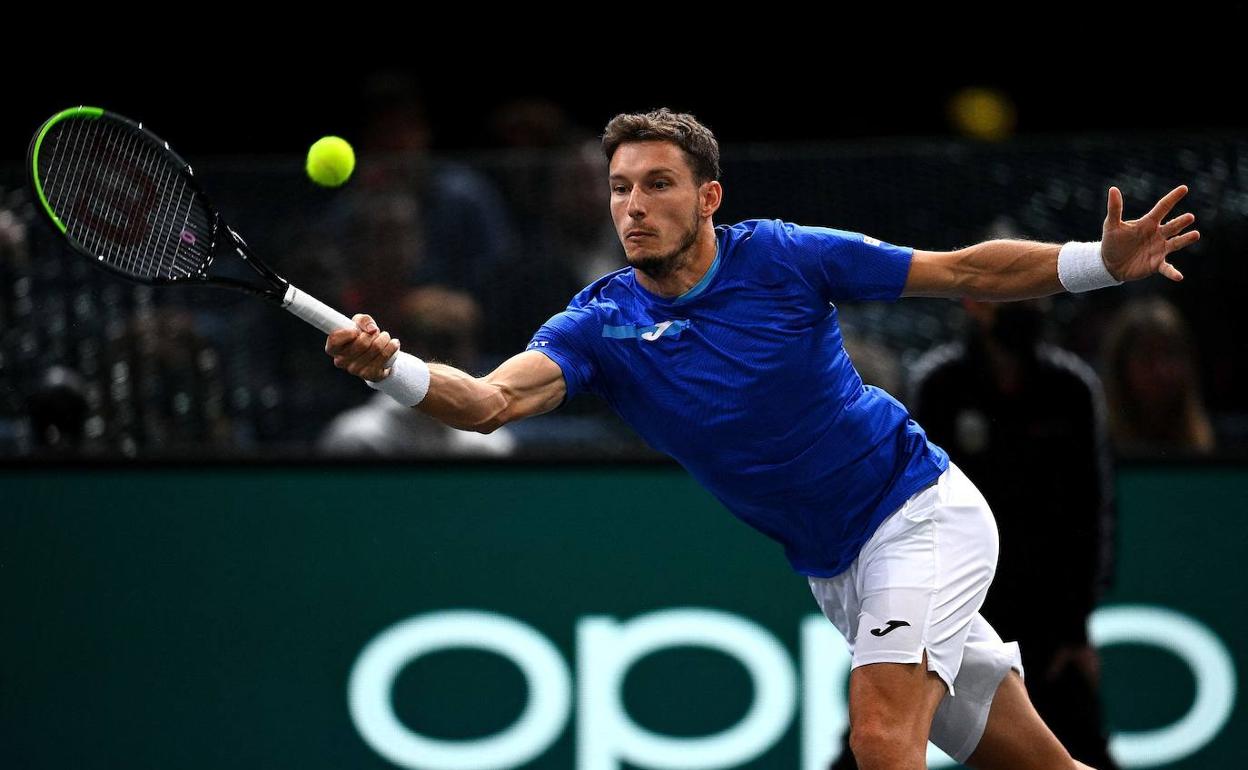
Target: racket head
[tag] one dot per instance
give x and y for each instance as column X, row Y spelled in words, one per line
column 122, row 198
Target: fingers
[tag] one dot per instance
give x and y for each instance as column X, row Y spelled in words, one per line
column 367, row 355
column 1176, row 243
column 1182, row 241
column 1177, row 225
column 365, row 322
column 363, row 350
column 379, row 370
column 1114, row 207
column 1166, row 203
column 373, row 367
column 340, row 341
column 1169, row 271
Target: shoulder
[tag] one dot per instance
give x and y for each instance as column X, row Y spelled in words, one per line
column 770, row 231
column 584, row 314
column 776, row 234
column 605, row 290
column 792, row 234
column 811, row 245
column 743, row 232
column 763, row 241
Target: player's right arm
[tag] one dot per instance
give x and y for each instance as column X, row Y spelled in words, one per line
column 526, row 384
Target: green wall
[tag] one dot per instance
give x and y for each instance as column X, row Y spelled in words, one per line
column 182, row 617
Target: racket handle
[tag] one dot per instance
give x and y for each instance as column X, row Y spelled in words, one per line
column 314, row 311
column 318, row 314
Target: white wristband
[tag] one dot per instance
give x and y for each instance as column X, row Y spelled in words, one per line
column 1080, row 267
column 408, row 381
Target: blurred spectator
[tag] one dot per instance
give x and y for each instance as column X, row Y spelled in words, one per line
column 385, row 231
column 406, row 219
column 535, row 134
column 531, row 124
column 1002, row 404
column 165, row 388
column 12, row 231
column 437, row 324
column 1153, row 386
column 579, row 234
column 58, row 413
column 567, row 246
column 14, row 263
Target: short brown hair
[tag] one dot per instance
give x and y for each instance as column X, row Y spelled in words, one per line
column 663, row 125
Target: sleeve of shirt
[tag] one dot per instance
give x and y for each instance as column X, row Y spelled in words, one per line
column 840, row 265
column 565, row 339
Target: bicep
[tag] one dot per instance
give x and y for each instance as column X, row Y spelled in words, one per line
column 531, row 382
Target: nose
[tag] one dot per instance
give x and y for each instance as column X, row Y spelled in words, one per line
column 635, row 208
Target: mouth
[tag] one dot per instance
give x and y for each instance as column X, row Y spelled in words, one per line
column 632, row 235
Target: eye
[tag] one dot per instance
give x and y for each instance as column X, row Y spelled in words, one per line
column 661, row 184
column 619, row 189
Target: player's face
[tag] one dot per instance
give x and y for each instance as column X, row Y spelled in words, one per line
column 656, row 204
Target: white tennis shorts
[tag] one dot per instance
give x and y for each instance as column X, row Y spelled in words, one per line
column 917, row 585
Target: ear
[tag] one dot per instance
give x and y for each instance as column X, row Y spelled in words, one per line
column 710, row 195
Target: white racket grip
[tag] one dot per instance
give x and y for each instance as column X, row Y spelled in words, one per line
column 319, row 314
column 314, row 311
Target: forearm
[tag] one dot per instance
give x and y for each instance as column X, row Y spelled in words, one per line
column 1009, row 270
column 463, row 401
column 526, row 384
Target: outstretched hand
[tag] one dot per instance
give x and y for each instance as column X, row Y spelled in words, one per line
column 1138, row 248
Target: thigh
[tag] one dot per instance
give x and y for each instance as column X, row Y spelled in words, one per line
column 1015, row 737
column 960, row 720
column 901, row 696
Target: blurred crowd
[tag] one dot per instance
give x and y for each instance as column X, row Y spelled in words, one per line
column 464, row 257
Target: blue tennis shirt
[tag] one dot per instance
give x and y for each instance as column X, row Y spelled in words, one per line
column 744, row 380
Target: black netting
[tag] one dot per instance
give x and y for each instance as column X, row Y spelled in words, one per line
column 464, row 258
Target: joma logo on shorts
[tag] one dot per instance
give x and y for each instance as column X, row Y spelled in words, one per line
column 893, row 625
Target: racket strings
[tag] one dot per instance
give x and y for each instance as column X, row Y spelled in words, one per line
column 124, row 200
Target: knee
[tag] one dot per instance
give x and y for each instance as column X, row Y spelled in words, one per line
column 876, row 743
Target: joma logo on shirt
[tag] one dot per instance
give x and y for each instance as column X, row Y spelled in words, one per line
column 645, row 333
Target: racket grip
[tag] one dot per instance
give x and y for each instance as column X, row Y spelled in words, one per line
column 318, row 314
column 314, row 311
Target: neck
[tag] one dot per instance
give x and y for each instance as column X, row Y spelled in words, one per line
column 691, row 265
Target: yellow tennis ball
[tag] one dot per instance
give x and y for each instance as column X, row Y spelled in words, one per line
column 330, row 161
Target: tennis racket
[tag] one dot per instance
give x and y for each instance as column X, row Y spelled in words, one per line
column 126, row 201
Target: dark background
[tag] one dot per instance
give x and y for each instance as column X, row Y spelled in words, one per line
column 838, row 85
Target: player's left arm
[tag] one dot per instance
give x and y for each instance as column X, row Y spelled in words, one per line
column 1010, row 270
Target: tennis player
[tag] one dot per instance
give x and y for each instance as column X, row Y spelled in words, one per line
column 720, row 346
